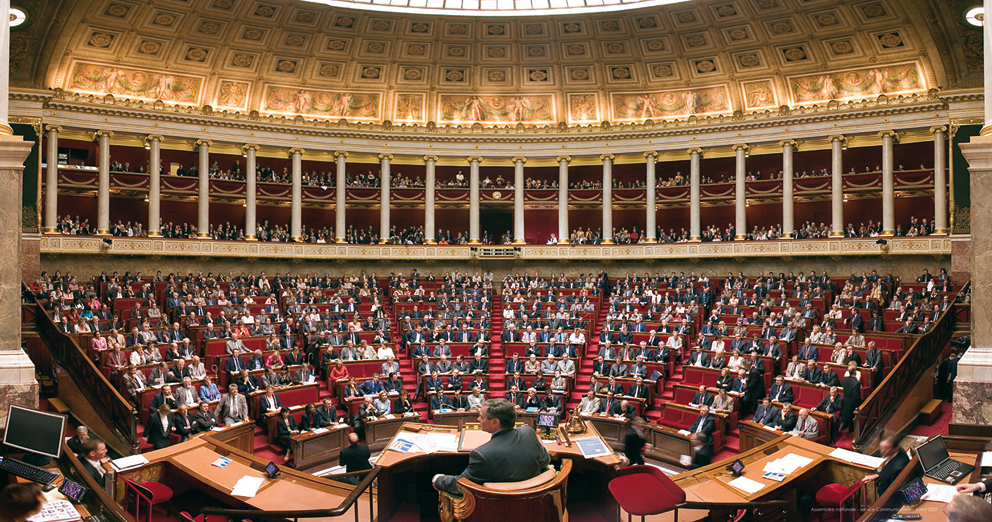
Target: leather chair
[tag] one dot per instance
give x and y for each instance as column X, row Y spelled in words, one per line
column 142, row 498
column 845, row 499
column 644, row 490
column 541, row 498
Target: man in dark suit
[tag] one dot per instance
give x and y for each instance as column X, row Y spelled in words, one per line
column 701, row 398
column 766, row 414
column 896, row 460
column 512, row 455
column 77, row 441
column 354, row 458
column 832, row 403
column 705, row 424
column 703, row 451
column 93, row 455
column 325, row 415
column 781, row 391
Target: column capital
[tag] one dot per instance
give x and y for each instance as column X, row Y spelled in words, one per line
column 201, row 143
column 651, row 154
column 560, row 159
column 890, row 134
column 340, row 153
column 153, row 137
column 477, row 159
column 606, row 157
column 741, row 146
column 249, row 146
column 837, row 137
column 296, row 150
column 101, row 133
column 56, row 128
column 519, row 159
column 789, row 143
column 430, row 158
column 938, row 128
column 695, row 150
column 385, row 156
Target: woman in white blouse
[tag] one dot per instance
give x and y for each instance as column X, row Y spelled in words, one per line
column 735, row 361
column 384, row 352
column 577, row 338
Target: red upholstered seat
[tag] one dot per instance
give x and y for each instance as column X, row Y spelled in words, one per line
column 842, row 498
column 160, row 492
column 645, row 490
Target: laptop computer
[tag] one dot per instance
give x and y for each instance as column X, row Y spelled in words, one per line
column 937, row 464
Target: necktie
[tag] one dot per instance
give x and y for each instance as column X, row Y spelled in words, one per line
column 802, row 424
column 700, row 427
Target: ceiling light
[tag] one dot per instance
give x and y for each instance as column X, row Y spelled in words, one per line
column 17, row 16
column 974, row 16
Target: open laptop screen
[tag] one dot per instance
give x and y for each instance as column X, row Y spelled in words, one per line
column 932, row 453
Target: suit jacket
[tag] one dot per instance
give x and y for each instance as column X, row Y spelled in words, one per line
column 705, row 425
column 511, row 455
column 355, row 458
column 156, row 432
column 204, row 421
column 781, row 393
column 833, row 408
column 766, row 417
column 232, row 411
column 890, row 470
column 100, row 479
column 808, row 429
column 700, row 399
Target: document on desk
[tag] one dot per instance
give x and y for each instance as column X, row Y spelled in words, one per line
column 247, row 486
column 126, row 463
column 787, row 464
column 56, row 510
column 746, row 485
column 857, row 458
column 592, row 448
column 939, row 493
column 987, row 459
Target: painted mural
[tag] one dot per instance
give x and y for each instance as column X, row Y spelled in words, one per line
column 409, row 107
column 326, row 104
column 582, row 108
column 466, row 108
column 867, row 82
column 671, row 104
column 135, row 83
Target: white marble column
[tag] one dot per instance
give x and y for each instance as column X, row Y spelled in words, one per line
column 384, row 182
column 154, row 184
column 740, row 191
column 430, row 185
column 888, row 184
column 788, row 216
column 203, row 198
column 340, row 197
column 519, row 236
column 5, row 68
column 563, row 232
column 939, row 179
column 18, row 384
column 651, row 211
column 251, row 177
column 837, row 144
column 695, row 230
column 474, row 235
column 607, row 160
column 103, row 182
column 296, row 209
column 52, row 180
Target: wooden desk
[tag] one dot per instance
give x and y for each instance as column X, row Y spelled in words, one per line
column 241, row 436
column 311, row 449
column 669, row 444
column 612, row 429
column 460, row 418
column 753, row 435
column 189, row 465
column 709, row 484
column 379, row 432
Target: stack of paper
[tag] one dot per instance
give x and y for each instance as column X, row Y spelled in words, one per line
column 857, row 458
column 247, row 486
column 939, row 493
column 787, row 464
column 987, row 459
column 746, row 485
column 133, row 461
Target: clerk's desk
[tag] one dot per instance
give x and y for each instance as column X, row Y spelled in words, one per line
column 423, row 466
column 189, row 465
column 963, row 449
column 710, row 484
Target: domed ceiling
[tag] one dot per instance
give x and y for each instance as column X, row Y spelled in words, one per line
column 284, row 57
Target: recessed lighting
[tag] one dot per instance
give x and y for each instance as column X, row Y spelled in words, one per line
column 17, row 17
column 975, row 16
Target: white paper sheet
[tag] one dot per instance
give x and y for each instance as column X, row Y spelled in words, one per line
column 787, row 464
column 685, row 432
column 939, row 493
column 129, row 462
column 987, row 459
column 746, row 485
column 247, row 486
column 56, row 510
column 857, row 458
